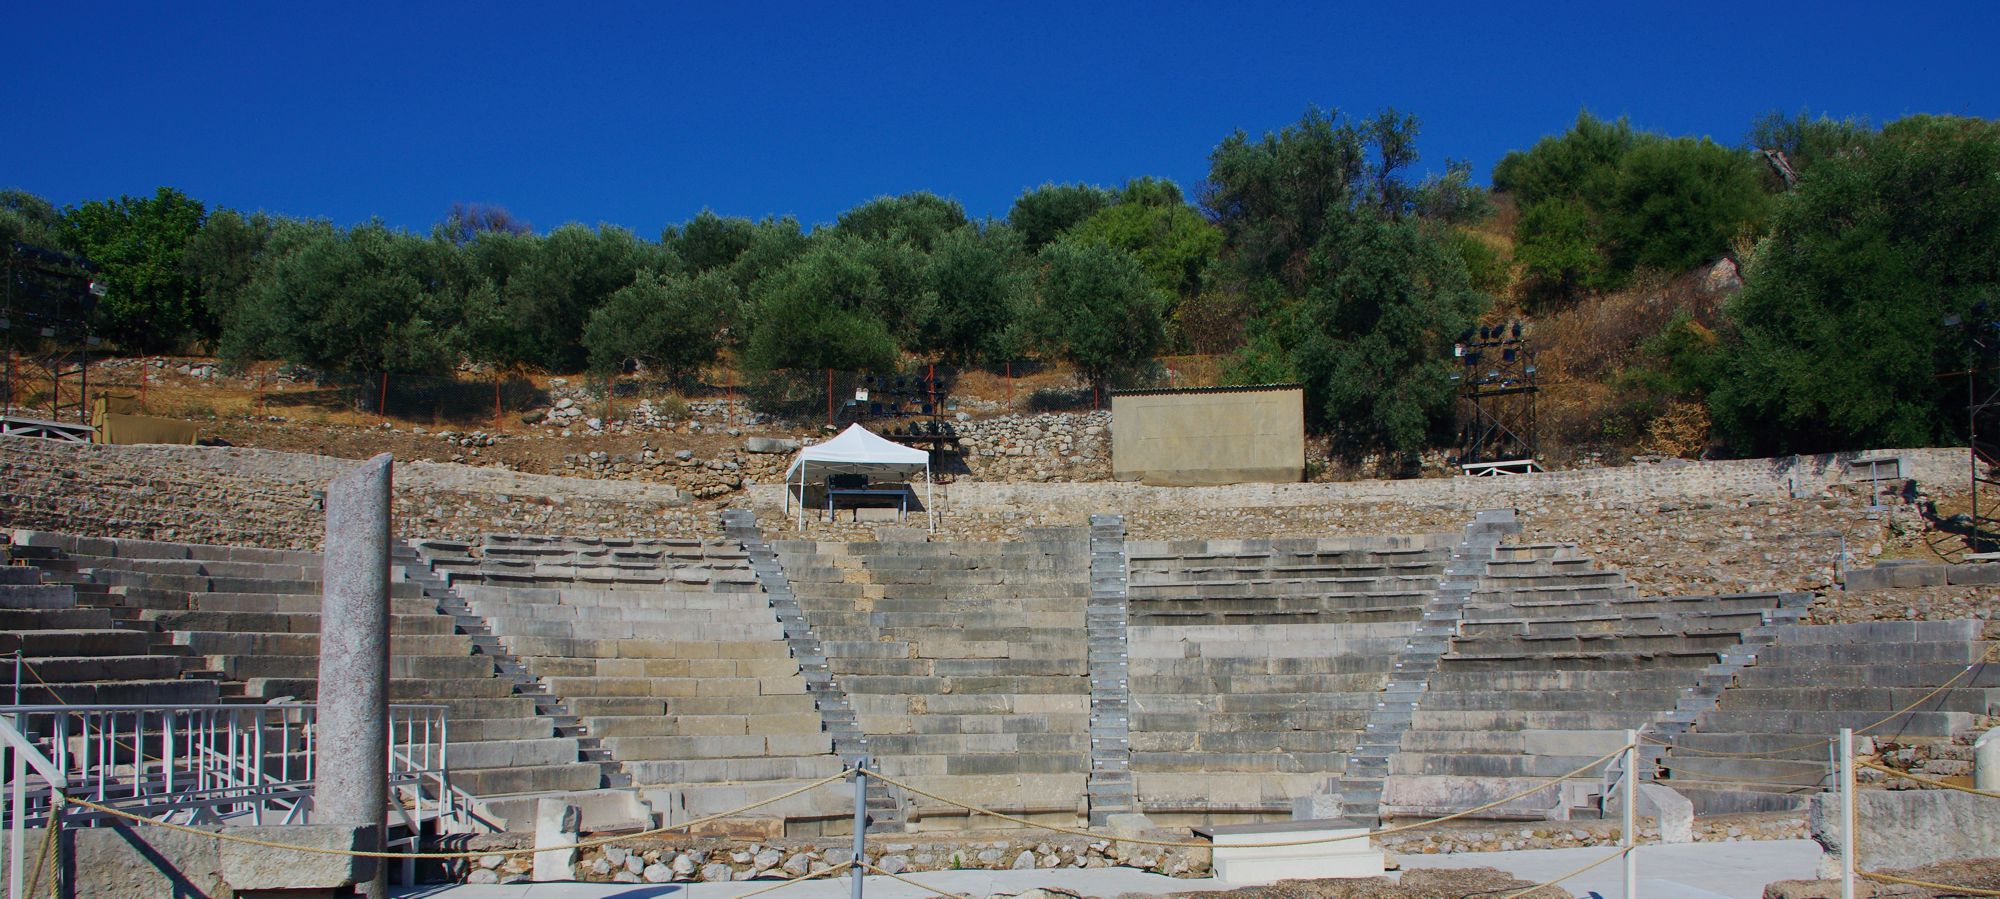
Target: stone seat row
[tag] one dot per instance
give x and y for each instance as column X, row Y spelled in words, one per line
column 250, row 638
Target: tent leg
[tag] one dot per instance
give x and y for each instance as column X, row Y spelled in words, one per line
column 930, row 495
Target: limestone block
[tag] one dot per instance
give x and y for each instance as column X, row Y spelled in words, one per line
column 1316, row 806
column 1907, row 829
column 1237, row 861
column 1981, row 574
column 246, row 867
column 1986, row 761
column 1671, row 811
column 120, row 862
column 557, row 821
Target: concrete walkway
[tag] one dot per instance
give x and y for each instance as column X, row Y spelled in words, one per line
column 1691, row 871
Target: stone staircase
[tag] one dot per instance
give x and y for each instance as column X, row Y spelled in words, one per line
column 668, row 654
column 1110, row 785
column 75, row 654
column 1765, row 743
column 885, row 803
column 247, row 621
column 1255, row 663
column 1554, row 660
column 966, row 663
column 1359, row 788
column 607, row 807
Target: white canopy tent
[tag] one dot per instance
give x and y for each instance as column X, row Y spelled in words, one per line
column 858, row 450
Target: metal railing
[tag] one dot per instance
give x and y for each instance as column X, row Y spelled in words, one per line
column 213, row 764
column 31, row 777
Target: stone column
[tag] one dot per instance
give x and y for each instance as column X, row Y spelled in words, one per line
column 351, row 753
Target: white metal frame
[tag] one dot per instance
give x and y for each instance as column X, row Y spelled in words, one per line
column 208, row 764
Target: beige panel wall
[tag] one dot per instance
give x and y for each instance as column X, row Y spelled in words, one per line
column 1203, row 439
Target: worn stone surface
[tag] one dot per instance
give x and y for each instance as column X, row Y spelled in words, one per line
column 556, row 824
column 352, row 745
column 1907, row 828
column 246, row 867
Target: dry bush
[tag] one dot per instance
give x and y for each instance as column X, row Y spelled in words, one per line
column 1592, row 339
column 1681, row 429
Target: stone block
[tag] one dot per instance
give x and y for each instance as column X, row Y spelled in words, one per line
column 1906, row 829
column 245, row 867
column 1235, row 862
column 1979, row 574
column 557, row 821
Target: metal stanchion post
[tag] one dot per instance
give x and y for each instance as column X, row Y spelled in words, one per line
column 860, row 821
column 1847, row 840
column 1631, row 814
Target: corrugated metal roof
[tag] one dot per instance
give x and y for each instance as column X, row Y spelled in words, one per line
column 1239, row 388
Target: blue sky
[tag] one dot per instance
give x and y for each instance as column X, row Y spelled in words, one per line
column 640, row 114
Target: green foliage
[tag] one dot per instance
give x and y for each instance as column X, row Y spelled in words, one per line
column 1485, row 266
column 819, row 312
column 1578, row 163
column 223, row 258
column 1602, row 201
column 709, row 241
column 1173, row 242
column 668, row 322
column 352, row 301
column 1840, row 320
column 773, row 244
column 137, row 244
column 1556, row 247
column 1043, row 214
column 1372, row 340
column 1363, row 285
column 1274, row 198
column 1096, row 309
column 29, row 219
column 920, row 219
column 557, row 281
column 1677, row 204
column 977, row 282
column 1806, row 141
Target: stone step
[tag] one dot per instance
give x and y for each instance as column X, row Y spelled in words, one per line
column 732, row 770
column 490, row 782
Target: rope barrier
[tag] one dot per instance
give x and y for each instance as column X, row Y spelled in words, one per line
column 359, row 853
column 1866, row 763
column 1959, row 890
column 1179, row 844
column 1621, row 853
column 922, row 886
column 47, row 855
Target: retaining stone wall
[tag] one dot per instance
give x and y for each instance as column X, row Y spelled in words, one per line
column 253, row 497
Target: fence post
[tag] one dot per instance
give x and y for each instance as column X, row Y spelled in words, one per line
column 829, row 405
column 1631, row 840
column 1847, row 840
column 860, row 819
column 496, row 401
column 1010, row 386
column 384, row 400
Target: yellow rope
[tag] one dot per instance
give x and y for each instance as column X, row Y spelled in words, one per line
column 922, row 886
column 1621, row 853
column 1177, row 844
column 823, row 872
column 1891, row 878
column 1865, row 763
column 46, row 856
column 357, row 853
